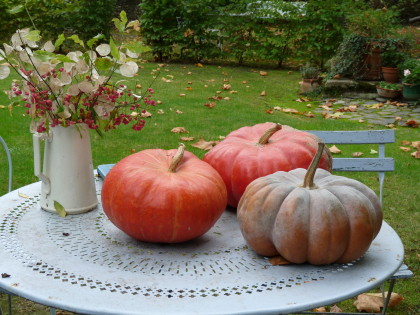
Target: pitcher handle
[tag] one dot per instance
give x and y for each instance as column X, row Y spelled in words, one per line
column 37, row 137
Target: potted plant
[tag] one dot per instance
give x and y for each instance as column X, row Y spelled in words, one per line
column 391, row 59
column 310, row 76
column 65, row 96
column 369, row 28
column 411, row 80
column 388, row 90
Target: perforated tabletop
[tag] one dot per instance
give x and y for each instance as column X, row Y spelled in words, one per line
column 83, row 263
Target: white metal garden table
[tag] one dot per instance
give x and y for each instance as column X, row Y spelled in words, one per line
column 82, row 263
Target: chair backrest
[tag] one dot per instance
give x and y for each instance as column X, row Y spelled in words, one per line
column 9, row 160
column 380, row 164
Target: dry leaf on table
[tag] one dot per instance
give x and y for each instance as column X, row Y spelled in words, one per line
column 278, row 260
column 372, row 302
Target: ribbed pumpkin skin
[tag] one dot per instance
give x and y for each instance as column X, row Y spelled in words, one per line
column 239, row 158
column 333, row 223
column 149, row 203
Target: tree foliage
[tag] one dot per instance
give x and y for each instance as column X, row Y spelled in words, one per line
column 53, row 17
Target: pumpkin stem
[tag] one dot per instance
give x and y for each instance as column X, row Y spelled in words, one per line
column 177, row 158
column 308, row 181
column 268, row 133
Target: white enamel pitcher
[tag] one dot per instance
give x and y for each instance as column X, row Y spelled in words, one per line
column 67, row 174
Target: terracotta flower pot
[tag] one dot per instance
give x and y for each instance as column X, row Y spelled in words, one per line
column 390, row 75
column 371, row 66
column 309, row 85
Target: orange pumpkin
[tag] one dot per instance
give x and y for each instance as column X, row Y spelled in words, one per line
column 254, row 151
column 163, row 196
column 306, row 217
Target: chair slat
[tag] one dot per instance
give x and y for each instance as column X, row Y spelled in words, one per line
column 356, row 137
column 363, row 164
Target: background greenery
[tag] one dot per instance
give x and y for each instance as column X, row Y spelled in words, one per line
column 183, row 90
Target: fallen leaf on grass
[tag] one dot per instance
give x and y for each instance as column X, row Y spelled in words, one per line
column 405, row 142
column 375, row 106
column 269, row 111
column 182, row 94
column 336, row 115
column 226, row 87
column 350, row 108
column 309, row 115
column 405, row 149
column 146, row 114
column 227, row 98
column 199, row 65
column 416, row 154
column 302, row 99
column 415, row 144
column 278, row 260
column 188, row 88
column 325, row 107
column 187, row 138
column 205, row 145
column 217, row 98
column 179, row 112
column 179, row 130
column 335, row 150
column 412, row 123
column 335, row 309
column 263, row 73
column 321, row 309
column 263, row 93
column 244, row 82
column 210, row 105
column 290, row 110
column 356, row 154
column 372, row 151
column 373, row 302
column 161, row 112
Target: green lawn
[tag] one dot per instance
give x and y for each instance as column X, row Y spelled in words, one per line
column 183, row 91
